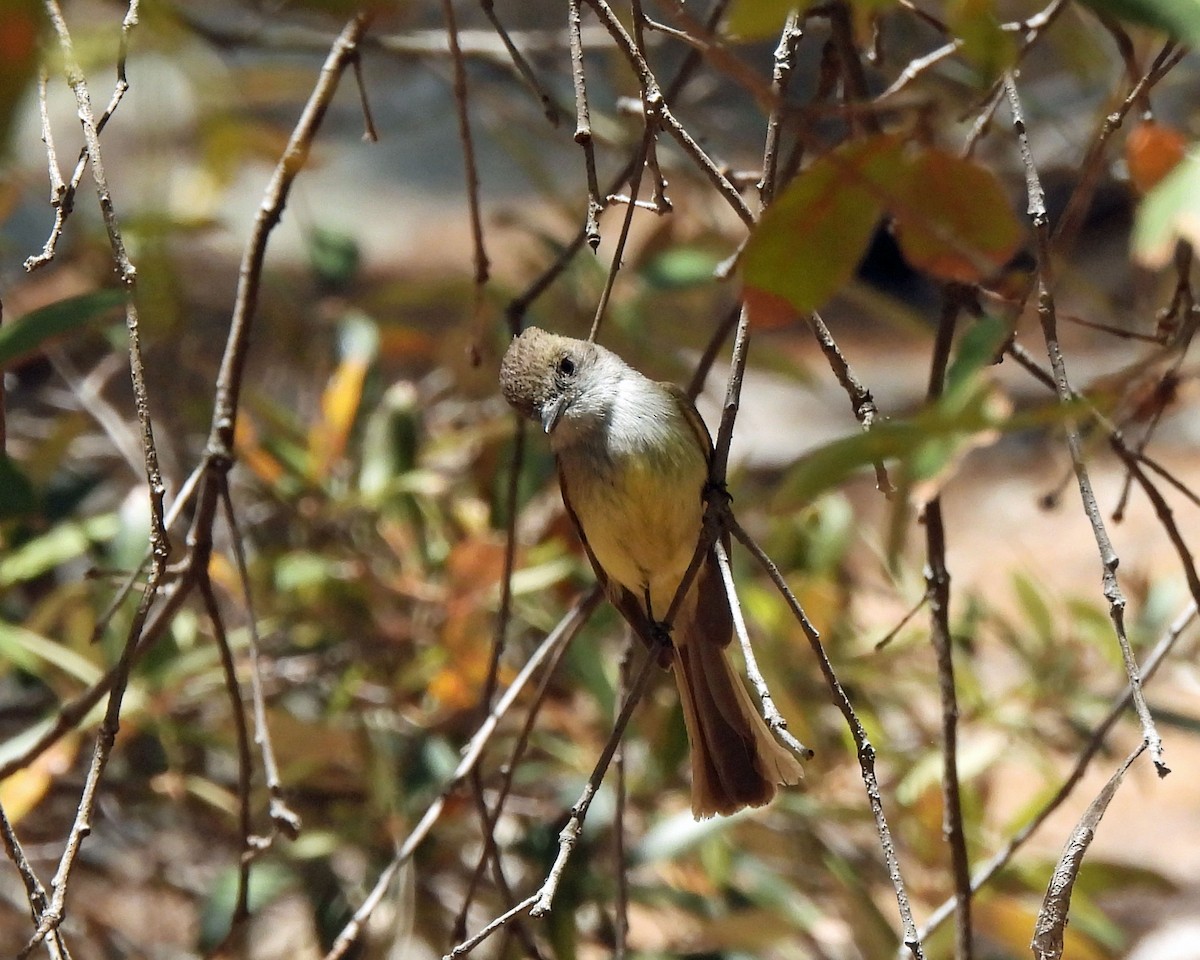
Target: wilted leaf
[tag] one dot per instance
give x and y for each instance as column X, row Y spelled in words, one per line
column 1178, row 18
column 28, row 333
column 811, row 239
column 953, row 219
column 1169, row 213
column 1153, row 150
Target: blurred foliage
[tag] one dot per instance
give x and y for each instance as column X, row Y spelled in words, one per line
column 371, row 487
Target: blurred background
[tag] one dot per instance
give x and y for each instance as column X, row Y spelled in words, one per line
column 372, row 475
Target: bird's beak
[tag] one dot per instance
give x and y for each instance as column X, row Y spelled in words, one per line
column 552, row 412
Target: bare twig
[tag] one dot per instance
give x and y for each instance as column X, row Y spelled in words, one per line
column 861, row 400
column 1047, row 318
column 1052, row 918
column 653, row 97
column 937, row 580
column 770, row 712
column 519, row 61
column 475, row 214
column 583, row 125
column 866, row 752
column 1092, row 747
column 241, row 908
column 283, row 818
column 562, row 634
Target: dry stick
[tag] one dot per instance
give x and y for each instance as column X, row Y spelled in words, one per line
column 937, row 585
column 1056, row 906
column 569, row 835
column 583, row 126
column 1090, row 170
column 34, row 891
column 520, row 304
column 491, row 856
column 479, row 253
column 635, row 184
column 784, row 65
column 621, row 866
column 854, row 77
column 1095, row 741
column 1047, row 318
column 241, row 909
column 62, row 195
column 509, row 771
column 562, row 634
column 659, row 201
column 51, row 916
column 770, row 712
column 283, row 818
column 652, row 96
column 862, row 402
column 1165, row 516
column 866, row 752
column 524, row 70
column 1029, row 29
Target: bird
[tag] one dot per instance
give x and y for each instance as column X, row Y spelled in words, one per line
column 633, row 459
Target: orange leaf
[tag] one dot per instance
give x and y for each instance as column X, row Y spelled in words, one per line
column 1152, row 150
column 952, row 218
column 260, row 461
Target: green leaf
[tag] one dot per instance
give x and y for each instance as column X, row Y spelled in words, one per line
column 811, row 239
column 758, row 19
column 17, row 496
column 1169, row 213
column 63, row 543
column 1178, row 18
column 26, row 334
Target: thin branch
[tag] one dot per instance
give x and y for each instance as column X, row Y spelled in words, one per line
column 653, row 97
column 937, row 580
column 474, row 210
column 1052, row 918
column 1047, row 318
column 583, row 125
column 519, row 61
column 1095, row 741
column 861, row 400
column 283, row 818
column 635, row 184
column 544, row 900
column 241, row 908
column 866, row 752
column 770, row 712
column 562, row 634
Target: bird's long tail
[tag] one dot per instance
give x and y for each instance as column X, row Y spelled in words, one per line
column 736, row 760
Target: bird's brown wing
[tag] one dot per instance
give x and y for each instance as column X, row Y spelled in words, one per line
column 712, row 608
column 623, row 599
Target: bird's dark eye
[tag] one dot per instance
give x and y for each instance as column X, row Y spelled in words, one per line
column 566, row 366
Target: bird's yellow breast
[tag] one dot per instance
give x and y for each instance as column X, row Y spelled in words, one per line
column 641, row 517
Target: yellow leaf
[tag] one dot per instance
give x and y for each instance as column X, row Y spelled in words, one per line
column 339, row 407
column 21, row 792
